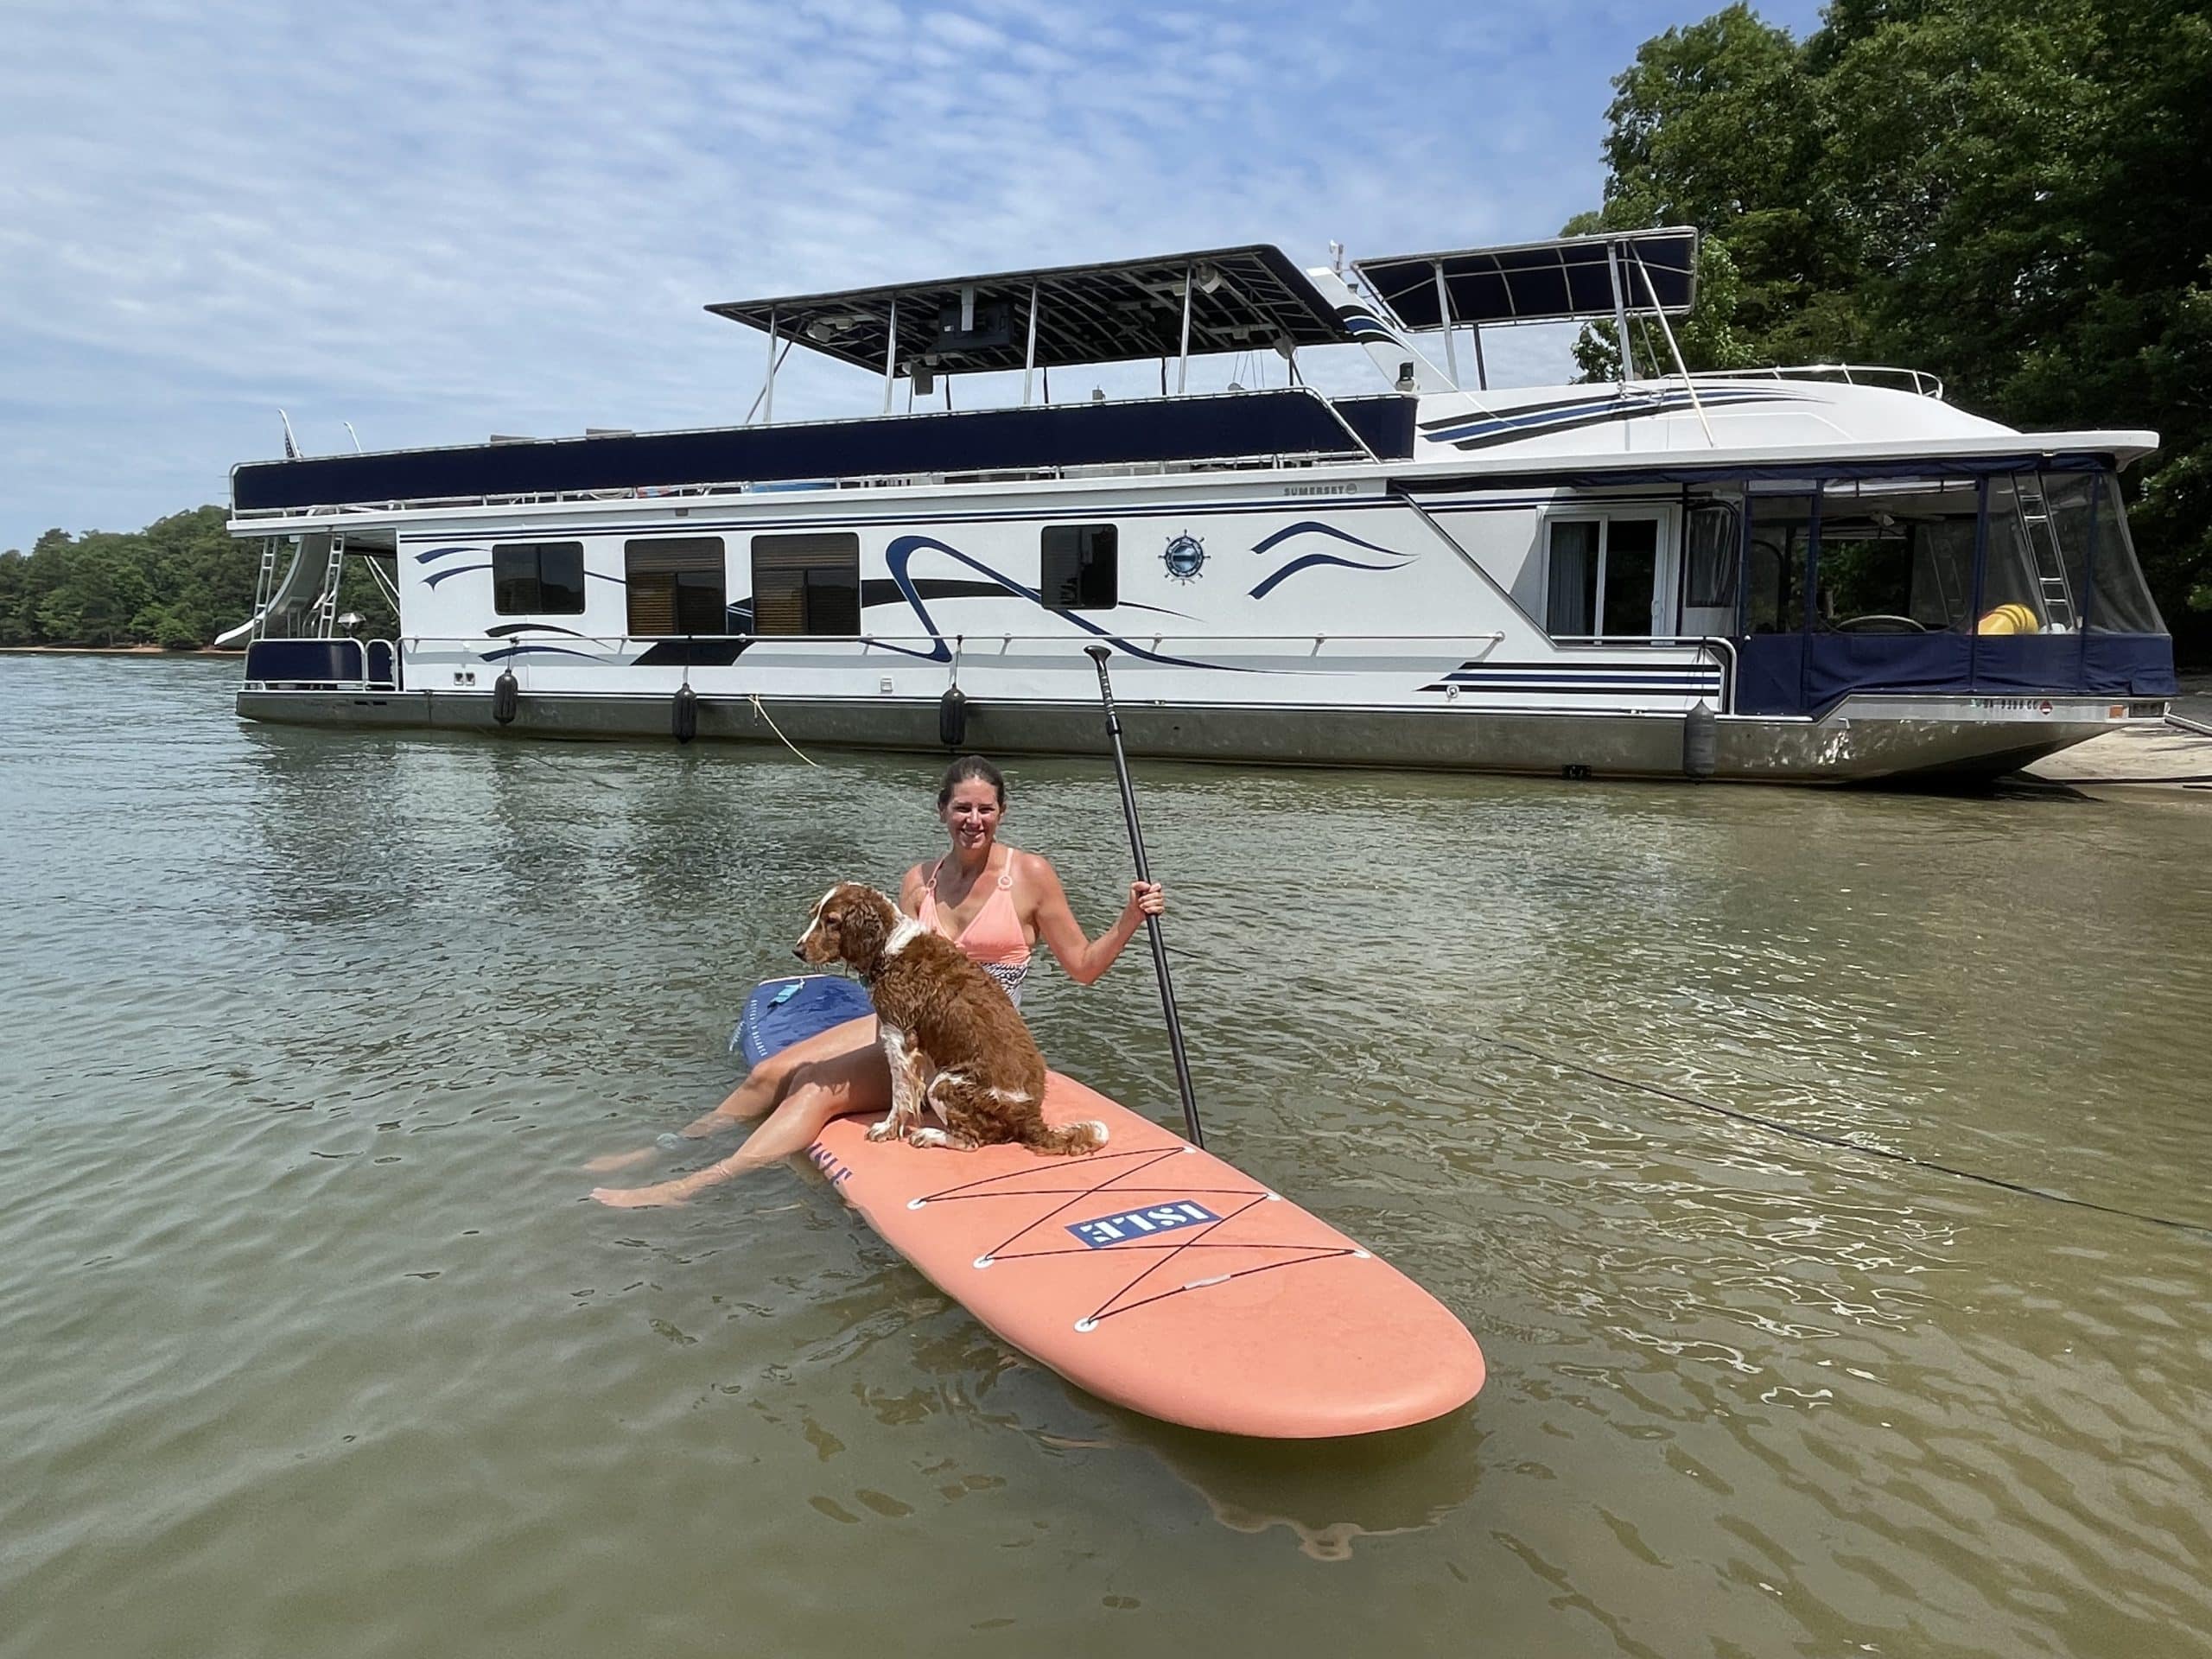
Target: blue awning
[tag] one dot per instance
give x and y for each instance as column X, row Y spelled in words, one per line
column 1568, row 279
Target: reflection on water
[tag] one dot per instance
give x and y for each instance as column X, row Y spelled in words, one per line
column 315, row 1347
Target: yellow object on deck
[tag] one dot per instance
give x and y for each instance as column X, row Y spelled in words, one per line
column 2008, row 619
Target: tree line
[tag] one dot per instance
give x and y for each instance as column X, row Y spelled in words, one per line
column 177, row 584
column 2013, row 193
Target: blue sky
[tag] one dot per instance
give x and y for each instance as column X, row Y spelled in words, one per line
column 442, row 221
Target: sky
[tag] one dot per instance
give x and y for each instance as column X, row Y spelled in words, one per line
column 440, row 221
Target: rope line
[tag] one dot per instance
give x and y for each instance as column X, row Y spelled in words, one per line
column 1775, row 1126
column 1242, row 1272
column 1166, row 1249
column 1107, row 1308
column 1074, row 1199
column 1056, row 1191
column 1140, row 1246
column 968, row 1189
column 753, row 697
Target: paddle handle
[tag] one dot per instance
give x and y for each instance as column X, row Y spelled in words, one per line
column 1098, row 654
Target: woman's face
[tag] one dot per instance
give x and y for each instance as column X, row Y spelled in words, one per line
column 972, row 815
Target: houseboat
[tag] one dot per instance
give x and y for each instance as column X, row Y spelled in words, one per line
column 1813, row 574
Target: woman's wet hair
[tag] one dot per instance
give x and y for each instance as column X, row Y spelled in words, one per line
column 967, row 766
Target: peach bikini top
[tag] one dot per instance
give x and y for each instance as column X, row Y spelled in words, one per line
column 994, row 939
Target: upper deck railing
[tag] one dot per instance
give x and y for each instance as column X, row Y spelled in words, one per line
column 1918, row 381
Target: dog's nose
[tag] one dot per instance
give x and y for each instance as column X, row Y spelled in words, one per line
column 800, row 953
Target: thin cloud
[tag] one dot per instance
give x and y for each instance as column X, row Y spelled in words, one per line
column 437, row 222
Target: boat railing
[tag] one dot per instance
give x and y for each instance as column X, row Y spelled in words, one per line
column 1721, row 651
column 1919, row 381
column 339, row 663
column 681, row 494
column 959, row 642
column 378, row 664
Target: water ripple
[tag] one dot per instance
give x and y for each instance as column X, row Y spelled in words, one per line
column 314, row 1345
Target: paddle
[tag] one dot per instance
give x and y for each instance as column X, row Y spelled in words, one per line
column 1098, row 654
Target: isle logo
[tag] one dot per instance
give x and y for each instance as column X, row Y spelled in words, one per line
column 1105, row 1230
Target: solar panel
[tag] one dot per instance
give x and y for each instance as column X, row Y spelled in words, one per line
column 1566, row 280
column 1242, row 299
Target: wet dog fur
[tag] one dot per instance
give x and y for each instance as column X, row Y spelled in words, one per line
column 956, row 1043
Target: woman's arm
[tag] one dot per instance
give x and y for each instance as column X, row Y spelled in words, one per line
column 1085, row 959
column 909, row 890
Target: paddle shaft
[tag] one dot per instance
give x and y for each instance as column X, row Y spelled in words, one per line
column 1098, row 654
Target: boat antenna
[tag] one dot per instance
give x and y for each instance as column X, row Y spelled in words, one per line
column 352, row 434
column 291, row 443
column 1098, row 654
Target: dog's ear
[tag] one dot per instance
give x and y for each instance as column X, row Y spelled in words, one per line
column 861, row 932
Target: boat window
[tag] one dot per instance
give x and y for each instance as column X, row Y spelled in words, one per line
column 1081, row 568
column 1570, row 587
column 538, row 578
column 1600, row 578
column 676, row 586
column 1713, row 545
column 2023, row 583
column 1774, row 588
column 1864, row 580
column 807, row 584
column 1896, row 556
column 1629, row 569
column 2122, row 603
column 2060, row 533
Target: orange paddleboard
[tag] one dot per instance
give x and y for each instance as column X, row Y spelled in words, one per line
column 1150, row 1272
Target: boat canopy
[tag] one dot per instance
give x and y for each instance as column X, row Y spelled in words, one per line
column 1568, row 279
column 1221, row 300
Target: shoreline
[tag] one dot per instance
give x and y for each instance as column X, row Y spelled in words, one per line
column 119, row 650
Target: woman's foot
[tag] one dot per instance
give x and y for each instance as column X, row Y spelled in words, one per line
column 643, row 1197
column 612, row 1161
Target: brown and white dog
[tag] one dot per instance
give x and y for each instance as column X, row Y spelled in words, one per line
column 956, row 1044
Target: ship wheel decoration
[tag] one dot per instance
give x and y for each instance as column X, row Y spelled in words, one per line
column 1186, row 557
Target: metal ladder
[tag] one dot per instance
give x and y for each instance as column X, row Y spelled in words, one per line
column 2050, row 565
column 326, row 604
column 264, row 585
column 1955, row 603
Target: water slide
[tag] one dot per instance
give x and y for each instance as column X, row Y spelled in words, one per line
column 295, row 593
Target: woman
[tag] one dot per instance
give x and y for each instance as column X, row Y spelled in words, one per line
column 994, row 902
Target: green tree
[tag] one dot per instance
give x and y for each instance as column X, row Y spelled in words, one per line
column 178, row 583
column 2010, row 192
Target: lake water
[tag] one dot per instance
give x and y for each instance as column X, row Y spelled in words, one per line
column 310, row 1343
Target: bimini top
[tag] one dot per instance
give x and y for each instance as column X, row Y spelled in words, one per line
column 1563, row 281
column 1242, row 299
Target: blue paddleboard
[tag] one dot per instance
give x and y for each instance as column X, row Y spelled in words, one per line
column 781, row 1012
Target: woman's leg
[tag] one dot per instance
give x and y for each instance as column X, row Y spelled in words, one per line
column 763, row 1087
column 765, row 1083
column 857, row 1080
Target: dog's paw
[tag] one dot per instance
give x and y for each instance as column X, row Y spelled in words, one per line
column 887, row 1130
column 929, row 1138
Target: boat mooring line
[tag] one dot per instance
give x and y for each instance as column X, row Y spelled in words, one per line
column 754, row 699
column 566, row 772
column 1775, row 1126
